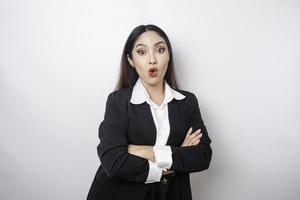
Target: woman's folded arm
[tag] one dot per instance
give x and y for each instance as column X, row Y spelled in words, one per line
column 193, row 158
column 112, row 149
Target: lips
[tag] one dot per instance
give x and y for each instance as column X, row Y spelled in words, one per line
column 152, row 71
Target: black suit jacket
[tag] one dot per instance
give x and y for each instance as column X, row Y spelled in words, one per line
column 122, row 175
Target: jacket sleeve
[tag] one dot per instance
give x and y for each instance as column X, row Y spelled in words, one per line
column 193, row 158
column 112, row 149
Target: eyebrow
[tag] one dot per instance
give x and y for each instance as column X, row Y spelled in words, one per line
column 157, row 43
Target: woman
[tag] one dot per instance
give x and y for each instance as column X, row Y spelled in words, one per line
column 152, row 135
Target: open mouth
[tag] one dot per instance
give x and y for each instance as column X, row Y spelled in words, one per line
column 152, row 72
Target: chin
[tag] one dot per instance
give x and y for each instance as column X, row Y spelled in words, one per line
column 154, row 81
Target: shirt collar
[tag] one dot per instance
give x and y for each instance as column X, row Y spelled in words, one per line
column 140, row 94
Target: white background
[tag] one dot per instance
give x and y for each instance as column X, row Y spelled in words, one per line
column 59, row 59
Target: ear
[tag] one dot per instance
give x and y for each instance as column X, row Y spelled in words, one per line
column 130, row 61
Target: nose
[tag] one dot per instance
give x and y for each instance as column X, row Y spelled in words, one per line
column 152, row 58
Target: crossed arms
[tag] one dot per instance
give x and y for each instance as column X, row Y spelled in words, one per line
column 131, row 162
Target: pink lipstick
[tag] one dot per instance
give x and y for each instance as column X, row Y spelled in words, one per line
column 152, row 72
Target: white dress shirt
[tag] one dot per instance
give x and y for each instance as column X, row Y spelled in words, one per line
column 162, row 152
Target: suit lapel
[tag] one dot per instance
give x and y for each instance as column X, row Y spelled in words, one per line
column 175, row 135
column 143, row 129
column 175, row 122
column 151, row 132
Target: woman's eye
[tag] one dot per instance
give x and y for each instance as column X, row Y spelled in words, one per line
column 141, row 52
column 161, row 50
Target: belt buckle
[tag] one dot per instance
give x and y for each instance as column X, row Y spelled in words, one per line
column 164, row 180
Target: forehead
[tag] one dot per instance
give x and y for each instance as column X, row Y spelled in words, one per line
column 149, row 38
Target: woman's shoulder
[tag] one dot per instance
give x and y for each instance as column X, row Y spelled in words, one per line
column 190, row 100
column 120, row 94
column 190, row 96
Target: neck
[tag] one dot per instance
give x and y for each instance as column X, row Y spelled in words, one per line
column 157, row 90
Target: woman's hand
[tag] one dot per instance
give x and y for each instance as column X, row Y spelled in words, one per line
column 146, row 152
column 143, row 151
column 192, row 138
column 167, row 172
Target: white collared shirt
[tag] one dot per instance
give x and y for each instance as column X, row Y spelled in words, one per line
column 162, row 152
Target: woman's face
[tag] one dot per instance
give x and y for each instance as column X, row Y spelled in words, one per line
column 150, row 58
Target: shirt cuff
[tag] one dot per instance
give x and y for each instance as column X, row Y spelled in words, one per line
column 163, row 156
column 154, row 174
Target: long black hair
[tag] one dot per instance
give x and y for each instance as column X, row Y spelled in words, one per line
column 128, row 75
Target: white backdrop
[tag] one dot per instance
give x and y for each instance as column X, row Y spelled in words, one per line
column 59, row 59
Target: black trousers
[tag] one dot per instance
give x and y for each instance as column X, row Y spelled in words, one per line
column 159, row 190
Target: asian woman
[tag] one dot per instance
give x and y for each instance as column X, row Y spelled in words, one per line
column 153, row 135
